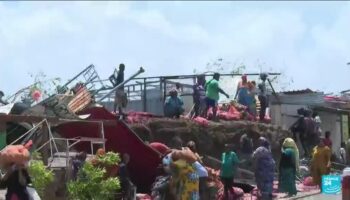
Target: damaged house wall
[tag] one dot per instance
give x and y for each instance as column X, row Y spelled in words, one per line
column 332, row 122
column 284, row 113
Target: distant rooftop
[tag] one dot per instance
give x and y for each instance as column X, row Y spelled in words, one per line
column 295, row 92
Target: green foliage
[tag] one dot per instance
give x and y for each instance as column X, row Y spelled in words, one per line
column 43, row 84
column 40, row 175
column 110, row 158
column 92, row 183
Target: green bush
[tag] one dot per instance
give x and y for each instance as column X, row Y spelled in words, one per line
column 91, row 182
column 109, row 159
column 40, row 175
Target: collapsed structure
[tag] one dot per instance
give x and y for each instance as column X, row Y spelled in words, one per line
column 78, row 118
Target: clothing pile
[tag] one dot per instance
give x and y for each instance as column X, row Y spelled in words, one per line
column 231, row 112
column 143, row 197
column 308, row 181
column 139, row 117
column 215, row 184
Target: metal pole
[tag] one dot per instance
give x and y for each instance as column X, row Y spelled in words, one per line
column 211, row 74
column 144, row 95
column 51, row 148
column 164, row 95
column 161, row 90
column 51, row 136
column 273, row 91
column 141, row 70
column 71, row 80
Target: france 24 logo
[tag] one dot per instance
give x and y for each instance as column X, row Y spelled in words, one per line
column 331, row 184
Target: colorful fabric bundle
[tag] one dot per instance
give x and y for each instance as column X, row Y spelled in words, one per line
column 201, row 121
column 160, row 147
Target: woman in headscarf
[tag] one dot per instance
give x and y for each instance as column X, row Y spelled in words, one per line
column 264, row 166
column 320, row 162
column 288, row 167
column 185, row 179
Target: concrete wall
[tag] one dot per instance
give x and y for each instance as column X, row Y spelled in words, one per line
column 332, row 122
column 284, row 115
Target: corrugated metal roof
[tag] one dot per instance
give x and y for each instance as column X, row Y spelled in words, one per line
column 331, row 109
column 306, row 98
column 292, row 92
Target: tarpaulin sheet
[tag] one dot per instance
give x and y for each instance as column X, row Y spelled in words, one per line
column 120, row 138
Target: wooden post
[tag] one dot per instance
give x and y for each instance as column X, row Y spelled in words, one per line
column 161, row 94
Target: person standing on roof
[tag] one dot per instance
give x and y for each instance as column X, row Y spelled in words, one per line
column 120, row 96
column 251, row 98
column 242, row 91
column 263, row 96
column 199, row 96
column 179, row 88
column 212, row 93
column 173, row 106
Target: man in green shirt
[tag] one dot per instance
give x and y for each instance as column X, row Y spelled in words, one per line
column 229, row 164
column 212, row 93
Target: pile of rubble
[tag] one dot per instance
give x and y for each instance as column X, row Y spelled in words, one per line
column 209, row 139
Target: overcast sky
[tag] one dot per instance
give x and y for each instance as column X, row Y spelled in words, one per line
column 307, row 41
